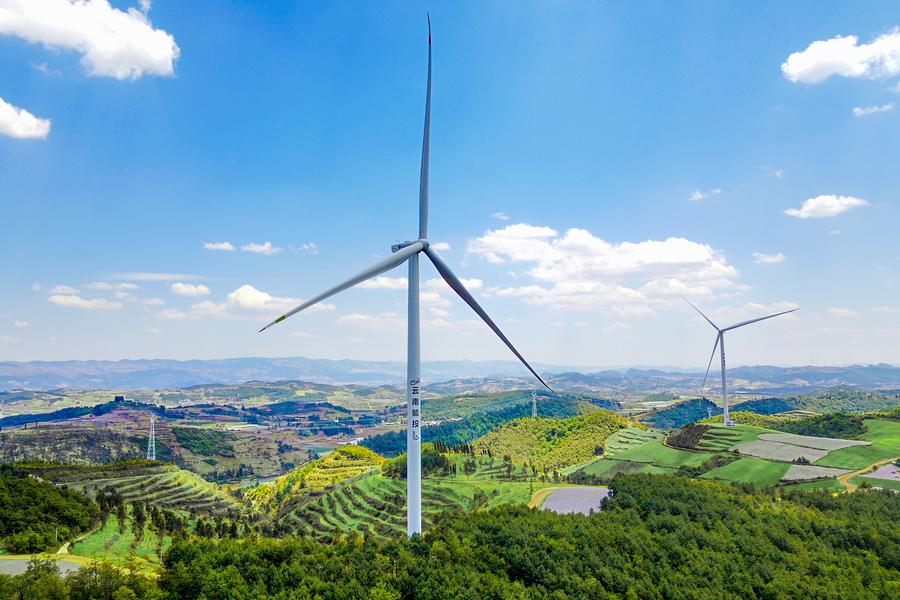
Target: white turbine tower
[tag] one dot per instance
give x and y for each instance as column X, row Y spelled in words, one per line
column 720, row 342
column 408, row 252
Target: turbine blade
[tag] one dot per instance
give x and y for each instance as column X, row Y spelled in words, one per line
column 711, row 356
column 742, row 323
column 457, row 286
column 426, row 145
column 701, row 312
column 394, row 260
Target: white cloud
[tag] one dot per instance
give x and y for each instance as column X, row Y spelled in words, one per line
column 190, row 289
column 306, row 248
column 381, row 321
column 8, row 339
column 578, row 270
column 834, row 232
column 103, row 285
column 616, row 327
column 73, row 301
column 862, row 111
column 154, row 331
column 243, row 302
column 727, row 315
column 698, row 195
column 438, row 284
column 768, row 259
column 441, row 246
column 63, row 289
column 501, row 216
column 267, row 248
column 35, row 287
column 224, row 246
column 845, row 57
column 385, row 283
column 825, row 206
column 835, row 311
column 20, row 324
column 112, row 42
column 154, row 301
column 144, row 276
column 45, row 69
column 19, row 123
column 887, row 310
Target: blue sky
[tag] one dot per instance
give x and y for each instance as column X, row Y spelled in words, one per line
column 589, row 162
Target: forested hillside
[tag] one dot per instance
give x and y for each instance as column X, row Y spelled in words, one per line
column 550, row 444
column 35, row 515
column 467, row 429
column 658, row 537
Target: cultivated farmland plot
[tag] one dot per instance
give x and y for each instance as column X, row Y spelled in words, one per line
column 889, row 472
column 575, row 500
column 811, row 442
column 808, row 472
column 779, row 451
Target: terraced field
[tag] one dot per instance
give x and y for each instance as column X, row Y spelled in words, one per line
column 166, row 486
column 377, row 504
column 119, row 546
column 618, row 443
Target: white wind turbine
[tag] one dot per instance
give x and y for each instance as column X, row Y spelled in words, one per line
column 720, row 342
column 409, row 252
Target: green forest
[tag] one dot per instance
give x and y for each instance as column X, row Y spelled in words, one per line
column 658, row 537
column 35, row 514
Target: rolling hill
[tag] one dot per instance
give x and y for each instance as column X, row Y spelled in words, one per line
column 552, row 444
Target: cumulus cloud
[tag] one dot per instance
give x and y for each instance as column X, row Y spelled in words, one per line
column 380, row 321
column 836, row 311
column 223, row 246
column 63, row 289
column 825, row 206
column 844, row 56
column 154, row 301
column 862, row 111
column 267, row 248
column 385, row 283
column 698, row 195
column 768, row 259
column 190, row 289
column 501, row 216
column 441, row 246
column 578, row 270
column 18, row 123
column 245, row 301
column 20, row 324
column 112, row 42
column 75, row 301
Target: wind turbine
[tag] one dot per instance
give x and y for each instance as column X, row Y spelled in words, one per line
column 720, row 342
column 409, row 252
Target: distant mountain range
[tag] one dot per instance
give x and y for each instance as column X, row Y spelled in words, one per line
column 443, row 376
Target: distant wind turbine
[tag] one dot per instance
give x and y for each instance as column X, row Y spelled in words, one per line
column 409, row 252
column 720, row 342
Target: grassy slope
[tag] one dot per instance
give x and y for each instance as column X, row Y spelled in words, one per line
column 750, row 469
column 885, row 438
column 108, row 543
